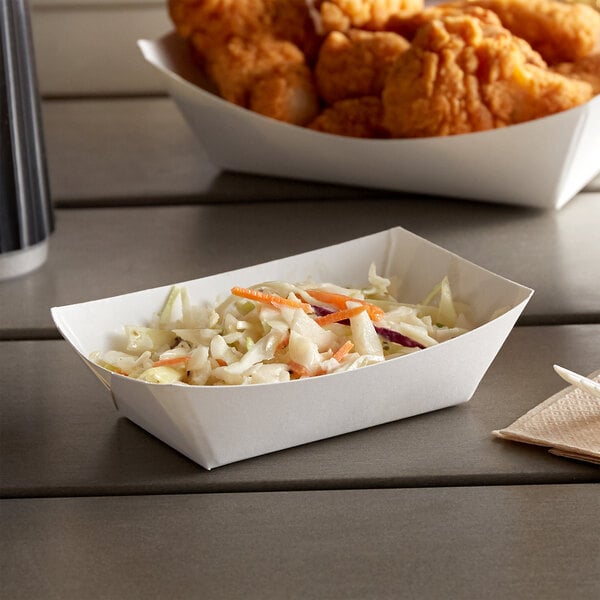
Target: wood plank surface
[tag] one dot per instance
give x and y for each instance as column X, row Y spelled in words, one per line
column 95, row 253
column 496, row 542
column 139, row 151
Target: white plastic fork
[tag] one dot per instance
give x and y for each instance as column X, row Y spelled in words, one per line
column 583, row 383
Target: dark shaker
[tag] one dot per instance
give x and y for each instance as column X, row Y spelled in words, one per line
column 26, row 218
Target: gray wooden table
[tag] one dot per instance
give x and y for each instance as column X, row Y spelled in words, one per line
column 428, row 507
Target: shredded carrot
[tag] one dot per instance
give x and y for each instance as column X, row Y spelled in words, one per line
column 283, row 343
column 298, row 370
column 269, row 298
column 342, row 351
column 340, row 315
column 175, row 360
column 114, row 369
column 340, row 300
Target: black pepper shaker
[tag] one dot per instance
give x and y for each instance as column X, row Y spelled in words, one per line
column 26, row 218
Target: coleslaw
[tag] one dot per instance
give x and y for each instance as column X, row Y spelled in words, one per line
column 279, row 331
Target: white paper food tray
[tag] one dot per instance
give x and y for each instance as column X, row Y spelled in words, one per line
column 542, row 163
column 218, row 425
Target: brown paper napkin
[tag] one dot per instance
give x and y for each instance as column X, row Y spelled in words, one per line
column 568, row 423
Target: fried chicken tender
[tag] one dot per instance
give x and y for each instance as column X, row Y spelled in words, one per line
column 342, row 15
column 356, row 63
column 462, row 75
column 393, row 68
column 267, row 76
column 255, row 52
column 354, row 117
column 560, row 32
column 408, row 25
column 584, row 69
column 216, row 21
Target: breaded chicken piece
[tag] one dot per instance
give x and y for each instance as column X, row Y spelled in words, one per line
column 559, row 31
column 355, row 117
column 356, row 63
column 342, row 15
column 265, row 75
column 254, row 51
column 214, row 22
column 585, row 69
column 463, row 75
column 408, row 25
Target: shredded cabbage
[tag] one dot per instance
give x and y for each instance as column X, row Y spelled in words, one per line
column 278, row 331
